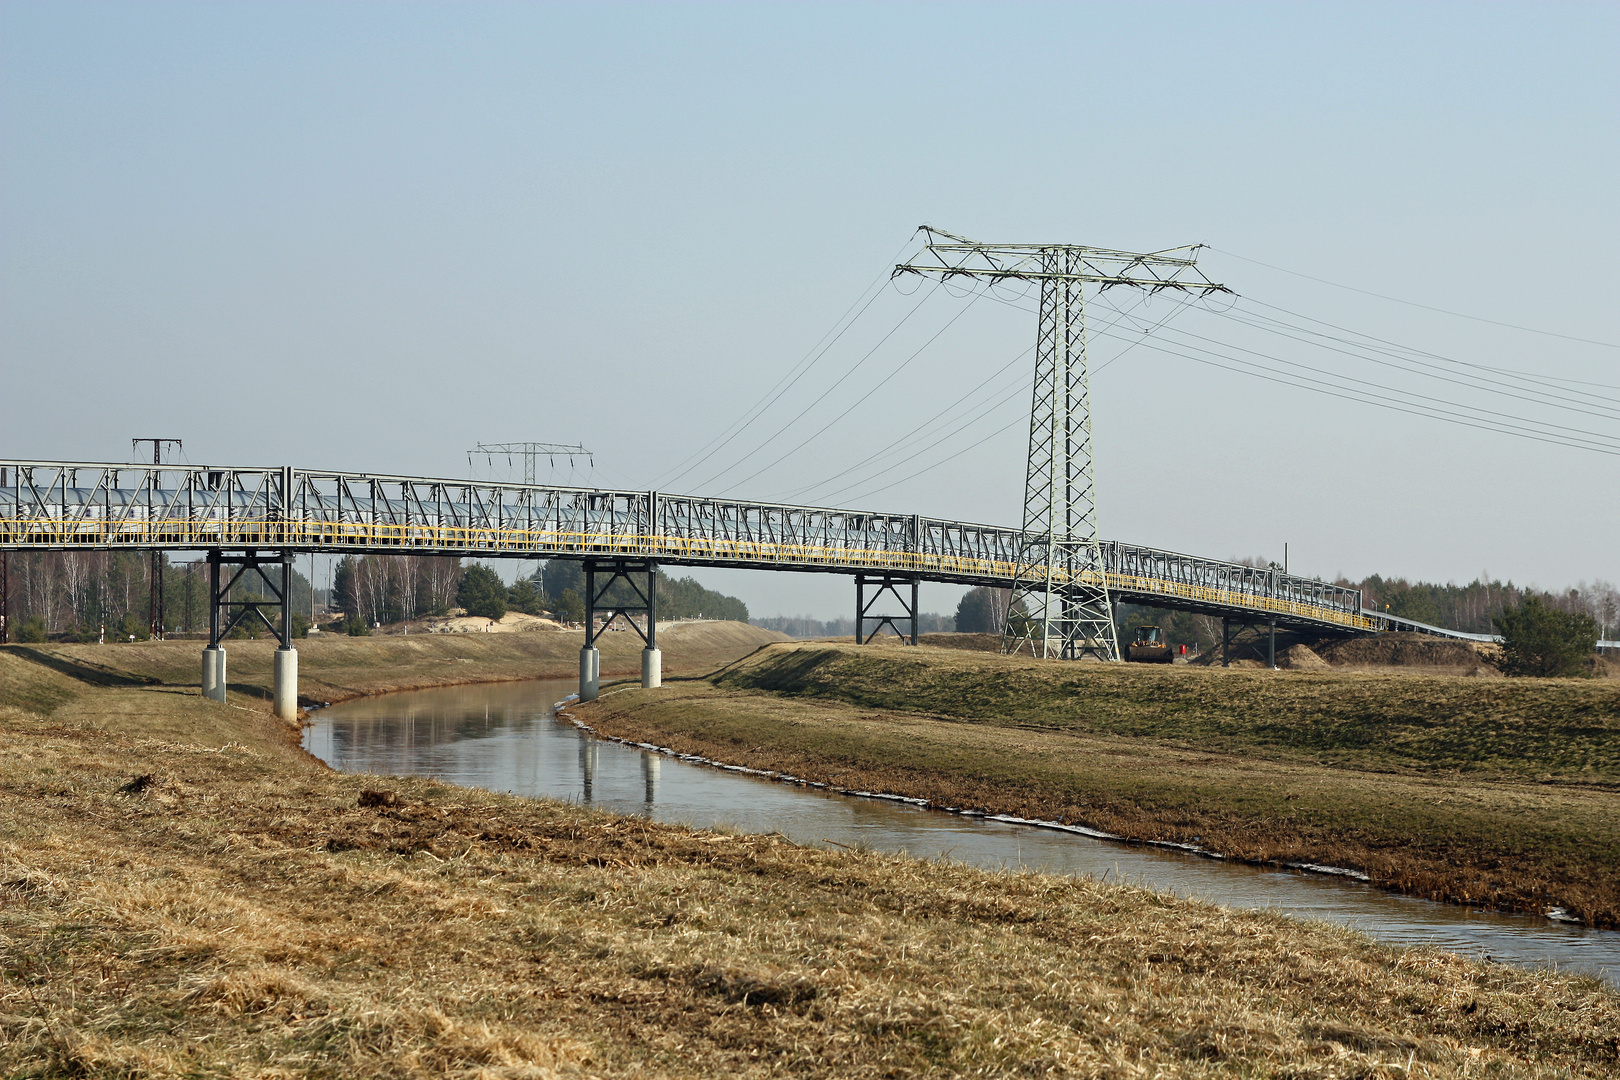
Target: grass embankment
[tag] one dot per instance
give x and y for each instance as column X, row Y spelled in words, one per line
column 183, row 892
column 335, row 668
column 1501, row 792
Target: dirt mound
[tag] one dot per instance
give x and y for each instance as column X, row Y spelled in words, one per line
column 1406, row 650
column 511, row 622
column 974, row 642
column 718, row 636
column 1302, row 658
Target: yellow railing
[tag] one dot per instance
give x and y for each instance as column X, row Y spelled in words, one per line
column 186, row 532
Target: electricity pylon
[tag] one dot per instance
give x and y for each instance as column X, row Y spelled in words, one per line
column 1059, row 605
column 528, row 452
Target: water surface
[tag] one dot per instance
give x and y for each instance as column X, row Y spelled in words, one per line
column 504, row 737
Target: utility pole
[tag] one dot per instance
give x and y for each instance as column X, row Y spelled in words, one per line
column 1060, row 581
column 529, row 451
column 155, row 602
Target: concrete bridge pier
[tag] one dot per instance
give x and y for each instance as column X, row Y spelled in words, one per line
column 284, row 692
column 590, row 668
column 213, row 673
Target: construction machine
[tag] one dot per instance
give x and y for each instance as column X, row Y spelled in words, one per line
column 1149, row 646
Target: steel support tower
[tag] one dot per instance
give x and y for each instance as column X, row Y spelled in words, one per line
column 1060, row 605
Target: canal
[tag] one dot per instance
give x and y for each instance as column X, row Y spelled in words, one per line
column 504, row 737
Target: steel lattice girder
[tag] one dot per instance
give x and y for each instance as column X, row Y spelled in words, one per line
column 47, row 506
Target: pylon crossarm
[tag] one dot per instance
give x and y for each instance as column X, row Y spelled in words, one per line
column 1169, row 269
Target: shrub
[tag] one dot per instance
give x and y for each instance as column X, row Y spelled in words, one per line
column 1539, row 640
column 482, row 593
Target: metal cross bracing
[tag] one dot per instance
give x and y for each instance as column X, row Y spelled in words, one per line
column 1067, row 611
column 87, row 506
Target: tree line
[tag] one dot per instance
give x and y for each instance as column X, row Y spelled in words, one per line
column 374, row 590
column 1543, row 633
column 802, row 626
column 87, row 595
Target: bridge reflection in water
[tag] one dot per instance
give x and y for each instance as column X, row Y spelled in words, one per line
column 503, row 737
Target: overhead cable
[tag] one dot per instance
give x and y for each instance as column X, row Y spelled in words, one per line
column 1413, row 303
column 876, row 287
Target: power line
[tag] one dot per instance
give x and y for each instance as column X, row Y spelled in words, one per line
column 941, row 461
column 1399, row 349
column 836, row 384
column 853, row 405
column 1413, row 303
column 813, row 357
column 1393, row 404
column 915, row 432
column 910, row 437
column 984, row 412
column 1396, row 390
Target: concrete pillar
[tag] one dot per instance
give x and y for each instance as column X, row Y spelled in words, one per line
column 213, row 673
column 209, row 678
column 285, row 692
column 1271, row 647
column 590, row 673
column 652, row 668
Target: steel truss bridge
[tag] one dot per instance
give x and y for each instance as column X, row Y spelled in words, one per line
column 67, row 506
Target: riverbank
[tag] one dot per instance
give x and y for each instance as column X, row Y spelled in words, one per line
column 336, row 668
column 1499, row 793
column 183, row 891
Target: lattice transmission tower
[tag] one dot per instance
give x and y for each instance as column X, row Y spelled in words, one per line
column 529, row 453
column 1059, row 605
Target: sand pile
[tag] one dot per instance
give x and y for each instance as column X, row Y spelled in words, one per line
column 1302, row 658
column 1409, row 651
column 511, row 622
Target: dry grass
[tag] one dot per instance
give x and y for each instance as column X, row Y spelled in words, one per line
column 1503, row 793
column 183, row 892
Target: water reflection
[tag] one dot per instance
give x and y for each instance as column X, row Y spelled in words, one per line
column 503, row 737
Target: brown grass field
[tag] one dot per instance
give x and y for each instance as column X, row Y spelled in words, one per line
column 1498, row 792
column 183, row 892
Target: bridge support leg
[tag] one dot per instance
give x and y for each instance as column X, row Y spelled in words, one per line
column 590, row 660
column 284, row 691
column 600, row 578
column 285, row 694
column 590, row 673
column 652, row 661
column 224, row 615
column 5, row 593
column 1271, row 647
column 213, row 659
column 890, row 584
column 1226, row 642
column 860, row 607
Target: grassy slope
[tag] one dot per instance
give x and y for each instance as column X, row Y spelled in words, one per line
column 1503, row 792
column 334, row 668
column 240, row 913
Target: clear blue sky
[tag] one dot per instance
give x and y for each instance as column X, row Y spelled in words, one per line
column 367, row 236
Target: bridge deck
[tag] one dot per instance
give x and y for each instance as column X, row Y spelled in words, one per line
column 77, row 506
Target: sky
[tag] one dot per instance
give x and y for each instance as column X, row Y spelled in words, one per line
column 369, row 236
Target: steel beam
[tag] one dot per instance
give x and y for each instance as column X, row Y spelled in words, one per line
column 887, row 584
column 65, row 506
